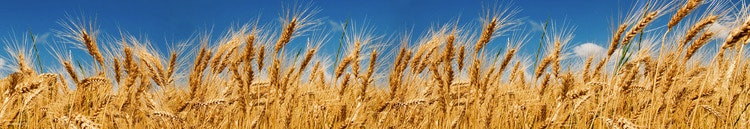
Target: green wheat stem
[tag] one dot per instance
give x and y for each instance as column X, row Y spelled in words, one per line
column 624, row 56
column 36, row 52
column 541, row 41
column 341, row 42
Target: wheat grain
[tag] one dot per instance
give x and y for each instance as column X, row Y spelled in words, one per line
column 543, row 65
column 249, row 53
column 129, row 64
column 154, row 74
column 667, row 93
column 367, row 79
column 461, row 57
column 215, row 61
column 286, row 35
column 71, row 72
column 515, row 71
column 487, row 32
column 116, row 68
column 344, row 63
column 273, row 73
column 171, row 68
column 616, row 39
column 586, row 67
column 705, row 38
column 226, row 60
column 506, row 60
column 682, row 12
column 424, row 61
column 555, row 58
column 697, row 28
column 306, row 59
column 638, row 28
column 737, row 35
column 344, row 85
column 449, row 52
column 261, row 55
column 92, row 47
column 543, row 86
column 355, row 58
column 599, row 67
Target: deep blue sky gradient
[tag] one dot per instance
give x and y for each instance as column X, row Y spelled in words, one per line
column 169, row 21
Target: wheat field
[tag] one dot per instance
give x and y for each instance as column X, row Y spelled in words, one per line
column 688, row 75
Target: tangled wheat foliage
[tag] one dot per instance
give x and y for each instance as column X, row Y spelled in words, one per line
column 251, row 77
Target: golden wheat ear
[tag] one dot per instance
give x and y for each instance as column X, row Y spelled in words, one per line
column 684, row 11
column 82, row 33
column 496, row 21
column 738, row 35
column 639, row 26
column 298, row 19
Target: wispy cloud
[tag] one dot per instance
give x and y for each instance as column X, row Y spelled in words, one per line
column 588, row 49
column 43, row 38
column 536, row 26
column 720, row 29
column 336, row 26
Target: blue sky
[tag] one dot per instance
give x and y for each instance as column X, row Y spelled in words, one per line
column 169, row 21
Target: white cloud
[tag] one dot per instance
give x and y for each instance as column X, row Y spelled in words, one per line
column 43, row 38
column 336, row 26
column 588, row 49
column 720, row 29
column 536, row 26
column 2, row 64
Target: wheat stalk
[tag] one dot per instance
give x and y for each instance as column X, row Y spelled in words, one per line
column 586, row 67
column 117, row 69
column 461, row 57
column 639, row 27
column 171, row 68
column 616, row 39
column 71, row 72
column 286, row 35
column 682, row 12
column 91, row 46
column 367, row 79
column 344, row 63
column 543, row 65
column 487, row 32
column 555, row 58
column 705, row 38
column 697, row 28
column 737, row 35
column 651, row 90
column 306, row 60
column 506, row 60
column 543, row 86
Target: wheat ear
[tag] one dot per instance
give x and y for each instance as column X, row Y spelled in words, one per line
column 682, row 12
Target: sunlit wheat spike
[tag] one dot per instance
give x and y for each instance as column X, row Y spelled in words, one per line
column 705, row 38
column 71, row 71
column 638, row 27
column 94, row 82
column 461, row 57
column 737, row 35
column 487, row 32
column 286, row 35
column 543, row 65
column 705, row 22
column 616, row 39
column 92, row 47
column 682, row 12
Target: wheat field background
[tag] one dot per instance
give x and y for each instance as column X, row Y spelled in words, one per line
column 676, row 74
